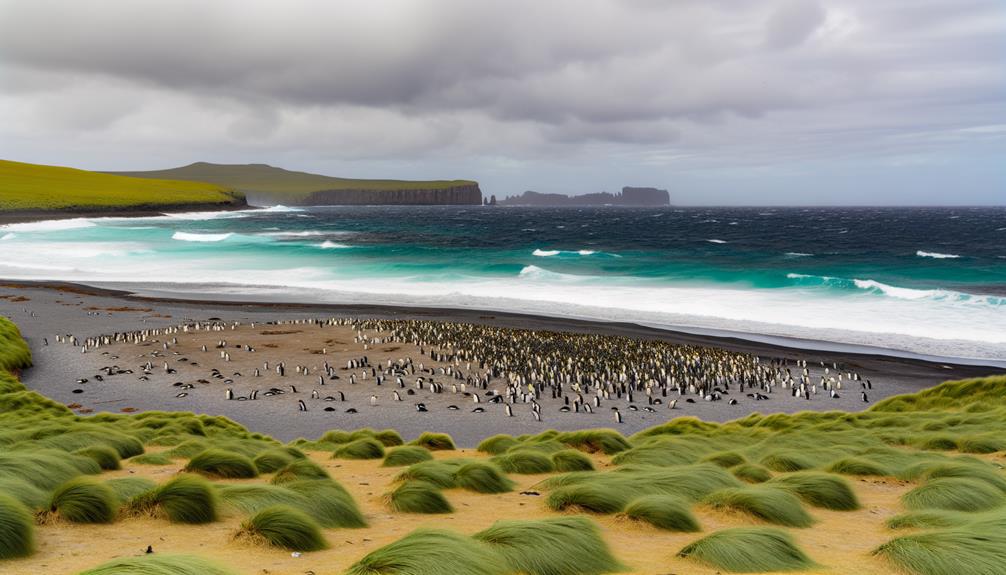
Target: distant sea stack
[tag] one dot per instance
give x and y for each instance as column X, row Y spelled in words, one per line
column 266, row 185
column 630, row 196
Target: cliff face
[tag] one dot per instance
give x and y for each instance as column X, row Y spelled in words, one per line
column 629, row 197
column 456, row 195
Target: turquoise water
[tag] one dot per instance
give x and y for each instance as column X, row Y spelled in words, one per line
column 930, row 281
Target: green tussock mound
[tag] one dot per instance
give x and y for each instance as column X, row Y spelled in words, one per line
column 664, row 512
column 184, row 499
column 418, row 497
column 17, row 529
column 527, row 462
column 751, row 473
column 106, row 457
column 405, row 455
column 299, row 469
column 365, row 448
column 432, row 552
column 749, row 550
column 126, row 488
column 588, row 497
column 272, row 460
column 389, row 438
column 83, row 500
column 819, row 489
column 858, row 466
column 544, row 446
column 607, row 441
column 930, row 519
column 725, row 459
column 14, row 351
column 571, row 460
column 482, row 477
column 973, row 550
column 30, row 496
column 324, row 500
column 223, row 464
column 285, row 527
column 771, row 505
column 158, row 565
column 608, row 492
column 439, row 472
column 44, row 470
column 954, row 494
column 151, row 459
column 497, row 444
column 787, row 461
column 981, row 444
column 434, row 441
column 970, row 470
column 558, row 546
column 987, row 392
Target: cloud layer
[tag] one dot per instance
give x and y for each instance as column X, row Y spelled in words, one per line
column 883, row 98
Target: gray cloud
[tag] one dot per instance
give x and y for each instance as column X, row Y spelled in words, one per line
column 675, row 90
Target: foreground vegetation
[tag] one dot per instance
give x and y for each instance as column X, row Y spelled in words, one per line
column 26, row 187
column 778, row 475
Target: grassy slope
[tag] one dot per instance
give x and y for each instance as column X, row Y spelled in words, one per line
column 261, row 178
column 37, row 187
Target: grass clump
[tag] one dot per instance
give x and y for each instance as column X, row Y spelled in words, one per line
column 930, row 519
column 158, row 565
column 389, row 438
column 405, row 455
column 954, row 494
column 819, row 489
column 526, row 462
column 286, row 527
column 556, row 546
column 438, row 472
column 771, row 505
column 607, row 441
column 83, row 500
column 17, row 529
column 272, row 460
column 432, row 552
column 749, row 550
column 418, row 497
column 726, row 459
column 106, row 457
column 751, row 473
column 967, row 470
column 482, row 477
column 497, row 444
column 151, row 459
column 365, row 448
column 184, row 499
column 571, row 460
column 126, row 488
column 299, row 469
column 223, row 464
column 434, row 441
column 329, row 503
column 787, row 461
column 858, row 466
column 975, row 550
column 20, row 490
column 663, row 512
column 589, row 496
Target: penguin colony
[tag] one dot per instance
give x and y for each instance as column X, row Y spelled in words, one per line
column 518, row 373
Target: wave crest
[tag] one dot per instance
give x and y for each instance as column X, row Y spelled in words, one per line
column 50, row 225
column 191, row 237
column 936, row 255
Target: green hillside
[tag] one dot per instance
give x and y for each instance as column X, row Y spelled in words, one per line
column 25, row 187
column 277, row 182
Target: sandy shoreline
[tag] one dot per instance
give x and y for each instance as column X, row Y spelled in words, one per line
column 52, row 309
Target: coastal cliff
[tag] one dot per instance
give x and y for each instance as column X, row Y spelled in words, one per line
column 629, row 196
column 468, row 194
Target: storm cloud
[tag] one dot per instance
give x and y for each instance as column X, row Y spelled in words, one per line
column 791, row 101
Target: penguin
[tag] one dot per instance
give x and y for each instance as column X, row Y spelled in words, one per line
column 865, row 398
column 508, row 409
column 351, row 410
column 618, row 416
column 479, row 410
column 452, row 408
column 182, row 394
column 315, row 394
column 301, row 405
column 537, row 416
column 397, row 396
column 421, row 408
column 373, row 400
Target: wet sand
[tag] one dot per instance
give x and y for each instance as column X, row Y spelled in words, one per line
column 43, row 311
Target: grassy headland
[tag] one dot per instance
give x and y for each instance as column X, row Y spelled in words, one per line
column 888, row 489
column 37, row 188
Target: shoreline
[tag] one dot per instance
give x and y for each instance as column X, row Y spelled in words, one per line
column 142, row 211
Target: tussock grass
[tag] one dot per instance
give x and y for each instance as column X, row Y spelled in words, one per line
column 405, row 455
column 151, row 459
column 858, row 466
column 126, row 488
column 975, row 550
column 987, row 392
column 286, row 527
column 545, row 446
column 954, row 494
column 930, row 519
column 482, row 477
column 184, row 499
column 981, row 444
column 571, row 460
column 43, row 469
column 106, row 457
column 17, row 529
column 497, row 444
column 786, row 461
column 418, row 497
column 588, row 496
column 158, row 565
column 819, row 489
column 272, row 460
column 389, row 438
column 434, row 441
column 766, row 503
column 30, row 496
column 299, row 469
column 725, row 458
column 82, row 500
column 438, row 472
column 691, row 482
column 223, row 464
column 749, row 550
column 329, row 502
column 556, row 546
column 607, row 441
column 365, row 448
column 664, row 512
column 969, row 470
column 432, row 552
column 526, row 462
column 751, row 473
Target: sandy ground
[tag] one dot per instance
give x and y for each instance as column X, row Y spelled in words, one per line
column 840, row 541
column 43, row 312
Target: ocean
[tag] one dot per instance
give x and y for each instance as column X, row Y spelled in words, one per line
column 916, row 281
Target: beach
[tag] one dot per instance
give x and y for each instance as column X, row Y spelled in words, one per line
column 44, row 311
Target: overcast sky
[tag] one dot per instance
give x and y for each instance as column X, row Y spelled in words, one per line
column 719, row 101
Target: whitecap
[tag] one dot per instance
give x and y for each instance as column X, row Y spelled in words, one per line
column 8, row 237
column 586, row 252
column 303, row 234
column 279, row 208
column 936, row 255
column 190, row 237
column 717, row 241
column 50, row 225
column 329, row 245
column 900, row 292
column 798, row 254
column 545, row 253
column 201, row 216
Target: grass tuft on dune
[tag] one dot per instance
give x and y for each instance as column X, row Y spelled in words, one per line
column 663, row 512
column 364, row 448
column 158, row 565
column 106, row 457
column 525, row 462
column 223, row 464
column 749, row 550
column 765, row 503
column 432, row 552
column 184, row 499
column 555, row 546
column 482, row 477
column 819, row 489
column 975, row 550
column 17, row 529
column 299, row 469
column 406, row 455
column 497, row 444
column 571, row 460
column 954, row 494
column 286, row 527
column 83, row 500
column 418, row 497
column 434, row 441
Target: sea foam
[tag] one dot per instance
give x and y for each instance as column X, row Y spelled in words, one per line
column 936, row 255
column 50, row 225
column 190, row 237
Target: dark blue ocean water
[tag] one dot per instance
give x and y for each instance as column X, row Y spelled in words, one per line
column 921, row 279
